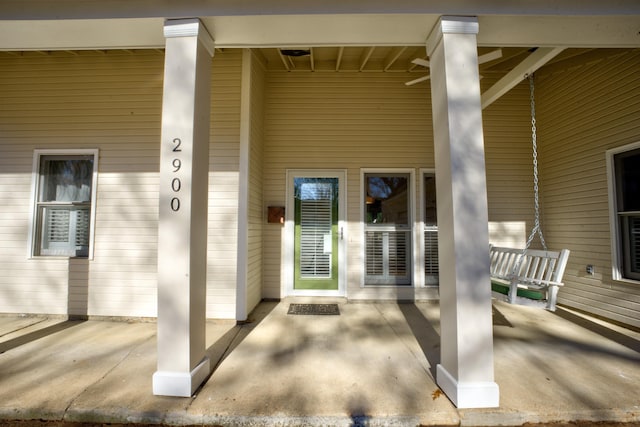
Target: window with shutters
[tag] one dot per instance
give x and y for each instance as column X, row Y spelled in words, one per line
column 430, row 229
column 64, row 195
column 624, row 176
column 387, row 229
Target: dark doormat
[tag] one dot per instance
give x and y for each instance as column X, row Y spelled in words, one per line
column 314, row 309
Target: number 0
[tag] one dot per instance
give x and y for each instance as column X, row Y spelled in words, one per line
column 175, row 204
column 176, row 185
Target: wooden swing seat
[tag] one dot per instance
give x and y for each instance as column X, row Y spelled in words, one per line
column 524, row 277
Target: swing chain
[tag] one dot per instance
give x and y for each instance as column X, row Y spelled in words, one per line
column 534, row 141
column 536, row 201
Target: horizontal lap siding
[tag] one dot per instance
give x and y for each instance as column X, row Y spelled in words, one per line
column 507, row 140
column 224, row 163
column 582, row 113
column 256, row 212
column 110, row 101
column 372, row 120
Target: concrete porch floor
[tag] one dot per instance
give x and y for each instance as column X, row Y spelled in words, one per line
column 372, row 365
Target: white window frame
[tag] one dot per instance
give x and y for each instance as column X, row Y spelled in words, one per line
column 420, row 231
column 614, row 223
column 412, row 257
column 35, row 188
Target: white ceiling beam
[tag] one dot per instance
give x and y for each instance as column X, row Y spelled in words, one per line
column 364, row 58
column 312, row 62
column 393, row 56
column 252, row 31
column 491, row 56
column 534, row 61
column 339, row 58
column 284, row 59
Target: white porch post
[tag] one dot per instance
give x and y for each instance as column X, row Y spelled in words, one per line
column 182, row 236
column 466, row 369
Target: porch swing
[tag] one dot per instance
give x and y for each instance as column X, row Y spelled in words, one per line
column 529, row 276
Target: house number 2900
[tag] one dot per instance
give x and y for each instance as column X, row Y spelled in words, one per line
column 176, row 184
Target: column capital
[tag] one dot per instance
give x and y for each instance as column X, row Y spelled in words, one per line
column 451, row 25
column 192, row 27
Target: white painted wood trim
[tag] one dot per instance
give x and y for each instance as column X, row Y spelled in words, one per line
column 180, row 384
column 288, row 238
column 420, row 259
column 468, row 394
column 453, row 25
column 191, row 27
column 530, row 64
column 37, row 153
column 616, row 262
column 243, row 187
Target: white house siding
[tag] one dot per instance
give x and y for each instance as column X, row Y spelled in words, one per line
column 109, row 100
column 256, row 208
column 585, row 109
column 105, row 100
column 372, row 120
column 224, row 167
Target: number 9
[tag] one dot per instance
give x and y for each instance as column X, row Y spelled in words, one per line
column 176, row 164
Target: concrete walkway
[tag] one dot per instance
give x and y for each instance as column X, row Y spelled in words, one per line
column 372, row 365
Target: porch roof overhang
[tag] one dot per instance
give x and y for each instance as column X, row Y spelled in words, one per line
column 130, row 24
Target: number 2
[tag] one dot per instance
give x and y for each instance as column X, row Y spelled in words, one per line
column 177, row 148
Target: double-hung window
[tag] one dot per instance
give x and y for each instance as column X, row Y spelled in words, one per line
column 624, row 184
column 387, row 228
column 64, row 197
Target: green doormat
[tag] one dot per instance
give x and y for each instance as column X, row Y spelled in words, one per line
column 314, row 309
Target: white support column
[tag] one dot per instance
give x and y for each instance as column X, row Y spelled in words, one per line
column 182, row 230
column 465, row 373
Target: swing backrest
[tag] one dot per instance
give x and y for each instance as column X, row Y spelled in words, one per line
column 531, row 266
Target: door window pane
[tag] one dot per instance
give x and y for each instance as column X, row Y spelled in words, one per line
column 387, row 200
column 387, row 229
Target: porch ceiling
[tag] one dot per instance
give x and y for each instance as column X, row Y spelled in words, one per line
column 394, row 59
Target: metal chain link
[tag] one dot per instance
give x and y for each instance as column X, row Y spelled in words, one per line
column 534, row 142
column 536, row 200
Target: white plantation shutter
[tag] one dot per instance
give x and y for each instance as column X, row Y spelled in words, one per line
column 316, row 219
column 633, row 243
column 387, row 253
column 65, row 231
column 56, row 227
column 431, row 269
column 82, row 228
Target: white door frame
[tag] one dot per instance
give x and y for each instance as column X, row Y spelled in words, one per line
column 288, row 240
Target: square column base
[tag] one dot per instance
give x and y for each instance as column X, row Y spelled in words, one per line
column 181, row 384
column 473, row 394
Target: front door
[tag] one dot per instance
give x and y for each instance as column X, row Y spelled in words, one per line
column 317, row 232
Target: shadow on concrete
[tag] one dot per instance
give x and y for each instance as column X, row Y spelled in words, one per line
column 36, row 335
column 224, row 346
column 424, row 332
column 599, row 329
